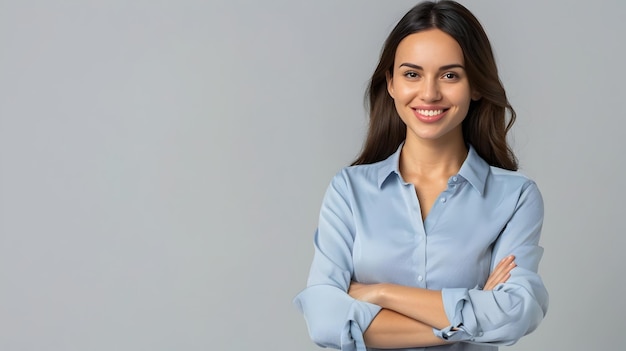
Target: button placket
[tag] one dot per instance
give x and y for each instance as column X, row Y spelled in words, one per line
column 421, row 235
column 453, row 185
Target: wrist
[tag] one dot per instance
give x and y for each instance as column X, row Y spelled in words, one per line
column 382, row 295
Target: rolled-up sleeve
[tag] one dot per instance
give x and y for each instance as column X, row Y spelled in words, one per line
column 334, row 319
column 515, row 308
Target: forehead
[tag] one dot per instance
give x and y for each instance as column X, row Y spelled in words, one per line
column 431, row 47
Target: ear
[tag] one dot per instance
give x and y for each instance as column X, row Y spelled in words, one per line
column 476, row 95
column 389, row 84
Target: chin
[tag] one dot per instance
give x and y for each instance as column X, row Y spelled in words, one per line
column 429, row 135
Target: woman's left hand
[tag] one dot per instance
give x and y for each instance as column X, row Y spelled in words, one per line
column 365, row 292
column 501, row 273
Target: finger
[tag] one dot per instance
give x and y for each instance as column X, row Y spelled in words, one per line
column 493, row 282
column 499, row 269
column 504, row 265
column 501, row 273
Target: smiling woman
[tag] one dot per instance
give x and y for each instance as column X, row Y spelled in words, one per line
column 430, row 238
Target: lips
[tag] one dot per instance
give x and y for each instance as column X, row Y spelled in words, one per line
column 430, row 115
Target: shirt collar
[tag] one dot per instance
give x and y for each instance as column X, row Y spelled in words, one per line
column 390, row 165
column 474, row 169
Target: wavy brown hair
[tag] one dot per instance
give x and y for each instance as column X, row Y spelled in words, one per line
column 485, row 126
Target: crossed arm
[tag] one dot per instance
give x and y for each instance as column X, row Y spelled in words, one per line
column 402, row 317
column 410, row 314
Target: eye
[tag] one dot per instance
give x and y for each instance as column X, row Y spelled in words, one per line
column 450, row 76
column 411, row 75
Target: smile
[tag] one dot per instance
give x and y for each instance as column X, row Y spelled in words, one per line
column 429, row 113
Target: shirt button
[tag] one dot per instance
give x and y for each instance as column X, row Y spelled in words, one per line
column 443, row 199
column 420, row 278
column 454, row 179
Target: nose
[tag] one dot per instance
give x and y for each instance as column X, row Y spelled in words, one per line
column 430, row 90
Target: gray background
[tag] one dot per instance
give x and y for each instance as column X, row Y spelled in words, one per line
column 162, row 163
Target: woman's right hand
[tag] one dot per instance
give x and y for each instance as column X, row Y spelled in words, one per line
column 501, row 273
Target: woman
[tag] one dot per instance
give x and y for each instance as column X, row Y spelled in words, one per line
column 430, row 239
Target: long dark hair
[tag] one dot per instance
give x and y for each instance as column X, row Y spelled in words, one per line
column 485, row 126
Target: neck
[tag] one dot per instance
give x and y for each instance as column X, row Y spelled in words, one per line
column 432, row 158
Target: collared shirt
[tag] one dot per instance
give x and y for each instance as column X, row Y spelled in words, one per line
column 371, row 231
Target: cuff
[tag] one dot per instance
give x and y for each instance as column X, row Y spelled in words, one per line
column 453, row 303
column 334, row 319
column 359, row 317
column 452, row 334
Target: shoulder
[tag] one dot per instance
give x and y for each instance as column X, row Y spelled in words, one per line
column 371, row 172
column 509, row 177
column 351, row 177
column 515, row 182
column 492, row 180
column 362, row 177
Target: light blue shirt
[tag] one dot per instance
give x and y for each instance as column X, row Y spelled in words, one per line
column 371, row 231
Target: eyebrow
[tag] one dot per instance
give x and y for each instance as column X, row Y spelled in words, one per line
column 442, row 68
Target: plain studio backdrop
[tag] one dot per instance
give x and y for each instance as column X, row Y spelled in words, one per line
column 162, row 163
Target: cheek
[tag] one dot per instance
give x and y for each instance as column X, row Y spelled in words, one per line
column 403, row 93
column 462, row 95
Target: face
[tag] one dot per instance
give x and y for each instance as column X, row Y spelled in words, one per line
column 430, row 87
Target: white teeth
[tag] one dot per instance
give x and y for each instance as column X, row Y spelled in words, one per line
column 430, row 113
